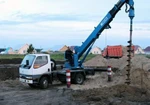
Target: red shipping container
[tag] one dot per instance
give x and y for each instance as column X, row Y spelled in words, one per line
column 113, row 51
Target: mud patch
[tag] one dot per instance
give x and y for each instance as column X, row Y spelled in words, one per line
column 9, row 73
column 115, row 95
column 11, row 61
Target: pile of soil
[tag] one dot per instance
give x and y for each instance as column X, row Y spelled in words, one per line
column 98, row 61
column 140, row 78
column 139, row 74
column 115, row 95
column 120, row 94
column 9, row 73
column 138, row 61
column 125, row 53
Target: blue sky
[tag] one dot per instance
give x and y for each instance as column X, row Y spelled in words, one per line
column 50, row 24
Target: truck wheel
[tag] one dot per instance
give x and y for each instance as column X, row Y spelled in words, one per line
column 44, row 83
column 79, row 78
column 53, row 64
column 32, row 85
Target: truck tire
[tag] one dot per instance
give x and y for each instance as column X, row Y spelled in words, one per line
column 79, row 78
column 44, row 83
column 53, row 64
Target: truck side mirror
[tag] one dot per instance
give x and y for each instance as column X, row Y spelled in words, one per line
column 27, row 62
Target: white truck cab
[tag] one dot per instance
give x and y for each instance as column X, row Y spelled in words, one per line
column 36, row 69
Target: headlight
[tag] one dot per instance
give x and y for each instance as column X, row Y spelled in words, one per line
column 29, row 78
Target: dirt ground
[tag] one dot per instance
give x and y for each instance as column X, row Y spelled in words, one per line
column 96, row 90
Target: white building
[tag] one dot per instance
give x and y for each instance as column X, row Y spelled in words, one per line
column 96, row 50
column 138, row 50
column 23, row 49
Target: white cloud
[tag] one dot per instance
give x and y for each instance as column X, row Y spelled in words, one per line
column 69, row 30
column 73, row 31
column 11, row 8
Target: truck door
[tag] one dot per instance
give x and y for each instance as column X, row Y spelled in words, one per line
column 41, row 65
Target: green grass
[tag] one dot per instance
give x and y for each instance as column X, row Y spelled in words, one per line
column 61, row 56
column 57, row 56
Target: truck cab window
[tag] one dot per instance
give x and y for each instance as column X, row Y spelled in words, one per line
column 40, row 61
column 30, row 58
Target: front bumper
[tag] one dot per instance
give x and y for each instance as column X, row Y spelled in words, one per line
column 30, row 79
column 26, row 80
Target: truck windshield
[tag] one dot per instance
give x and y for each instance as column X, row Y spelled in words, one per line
column 30, row 58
